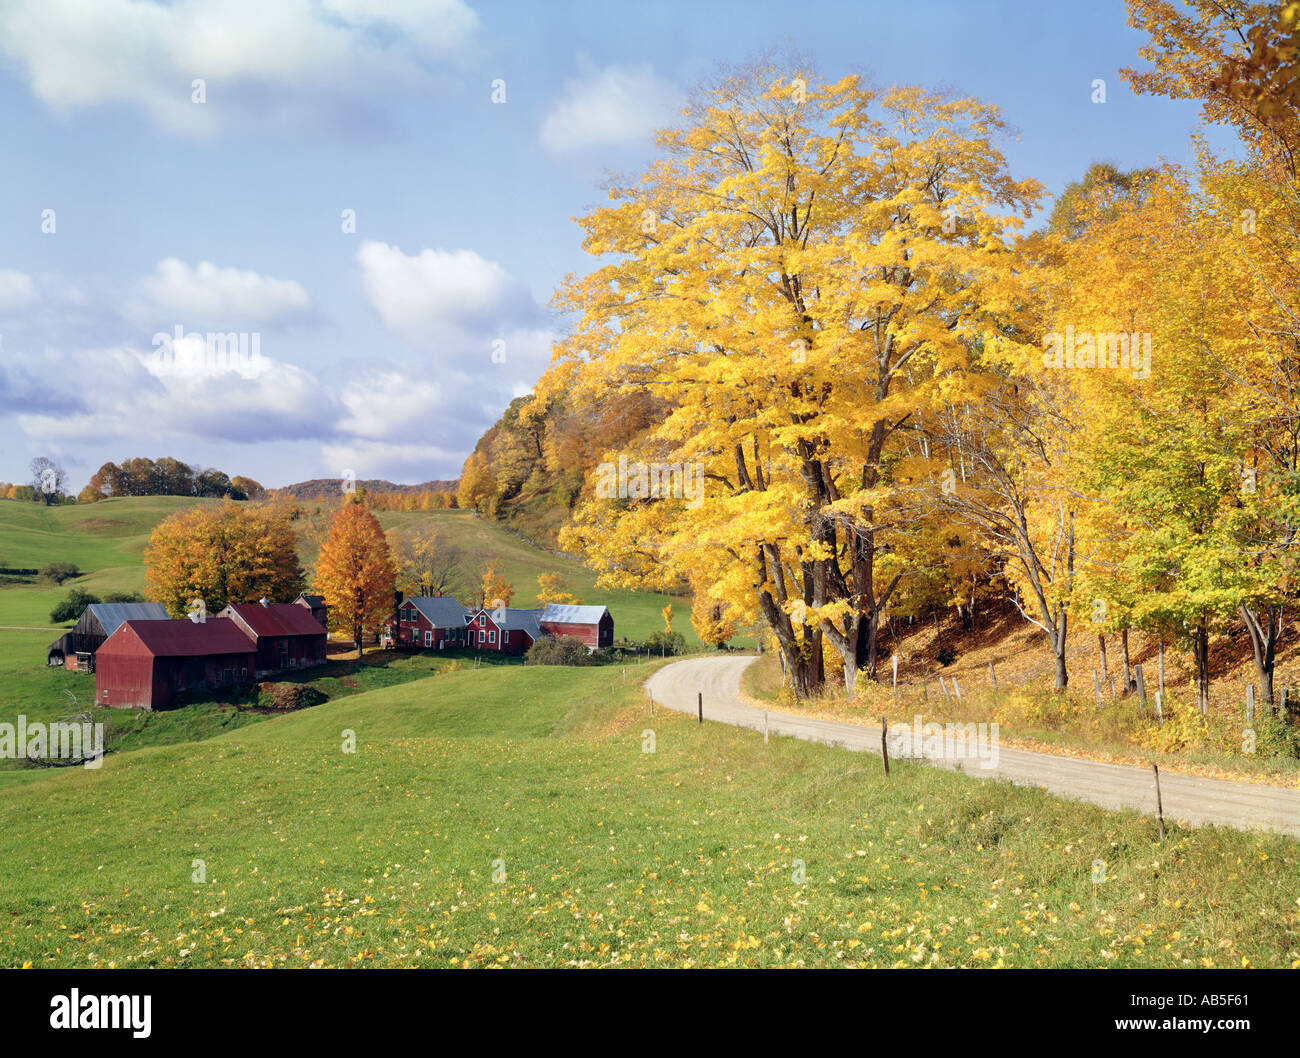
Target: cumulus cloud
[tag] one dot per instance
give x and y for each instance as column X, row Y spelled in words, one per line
column 260, row 61
column 441, row 296
column 612, row 106
column 17, row 291
column 207, row 293
column 131, row 396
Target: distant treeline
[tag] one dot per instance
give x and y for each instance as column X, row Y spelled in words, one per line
column 166, row 477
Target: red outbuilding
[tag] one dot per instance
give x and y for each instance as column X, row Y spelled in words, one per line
column 147, row 664
column 287, row 636
column 592, row 626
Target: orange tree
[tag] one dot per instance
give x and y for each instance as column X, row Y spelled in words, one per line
column 355, row 572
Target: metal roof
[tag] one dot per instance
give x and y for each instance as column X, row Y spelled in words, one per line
column 277, row 619
column 573, row 615
column 111, row 615
column 442, row 610
column 216, row 635
column 515, row 620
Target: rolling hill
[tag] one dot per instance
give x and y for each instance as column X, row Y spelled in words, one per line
column 107, row 539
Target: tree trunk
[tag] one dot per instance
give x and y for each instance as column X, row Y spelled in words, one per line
column 1264, row 635
column 356, row 634
column 1101, row 649
column 1128, row 668
column 1201, row 656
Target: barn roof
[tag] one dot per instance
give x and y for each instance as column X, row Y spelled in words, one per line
column 186, row 639
column 277, row 619
column 314, row 601
column 442, row 610
column 573, row 615
column 111, row 615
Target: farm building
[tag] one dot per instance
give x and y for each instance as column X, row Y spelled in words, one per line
column 75, row 649
column 147, row 664
column 316, row 604
column 507, row 631
column 591, row 625
column 429, row 621
column 285, row 634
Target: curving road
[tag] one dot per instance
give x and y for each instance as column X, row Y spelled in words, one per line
column 1189, row 798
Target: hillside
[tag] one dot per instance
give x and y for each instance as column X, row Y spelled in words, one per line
column 332, row 488
column 107, row 539
column 511, row 817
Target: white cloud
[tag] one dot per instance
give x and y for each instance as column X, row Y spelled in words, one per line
column 442, row 297
column 17, row 291
column 394, row 461
column 223, row 296
column 612, row 106
column 390, row 404
column 133, row 398
column 260, row 60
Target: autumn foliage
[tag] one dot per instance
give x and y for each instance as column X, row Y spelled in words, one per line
column 229, row 553
column 355, row 572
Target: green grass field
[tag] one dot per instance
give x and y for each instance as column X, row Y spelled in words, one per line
column 509, row 816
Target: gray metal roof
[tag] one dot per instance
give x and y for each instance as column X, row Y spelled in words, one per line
column 574, row 615
column 515, row 620
column 111, row 615
column 442, row 610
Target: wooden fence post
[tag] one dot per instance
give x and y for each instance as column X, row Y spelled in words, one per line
column 1161, row 663
column 701, row 693
column 1250, row 704
column 884, row 746
column 1096, row 686
column 1160, row 808
column 1160, row 713
column 1141, row 688
column 956, row 689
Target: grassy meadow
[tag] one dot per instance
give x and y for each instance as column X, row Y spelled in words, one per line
column 510, row 816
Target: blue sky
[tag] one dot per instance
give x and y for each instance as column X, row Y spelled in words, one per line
column 376, row 346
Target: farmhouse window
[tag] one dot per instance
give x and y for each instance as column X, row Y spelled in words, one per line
column 482, row 636
column 492, row 637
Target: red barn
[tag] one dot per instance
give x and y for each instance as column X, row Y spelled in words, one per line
column 286, row 635
column 506, row 631
column 590, row 625
column 429, row 621
column 146, row 664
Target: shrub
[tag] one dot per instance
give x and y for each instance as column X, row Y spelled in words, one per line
column 70, row 608
column 558, row 650
column 666, row 643
column 946, row 656
column 288, row 696
column 60, row 571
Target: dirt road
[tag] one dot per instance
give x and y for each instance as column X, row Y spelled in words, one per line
column 1187, row 798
